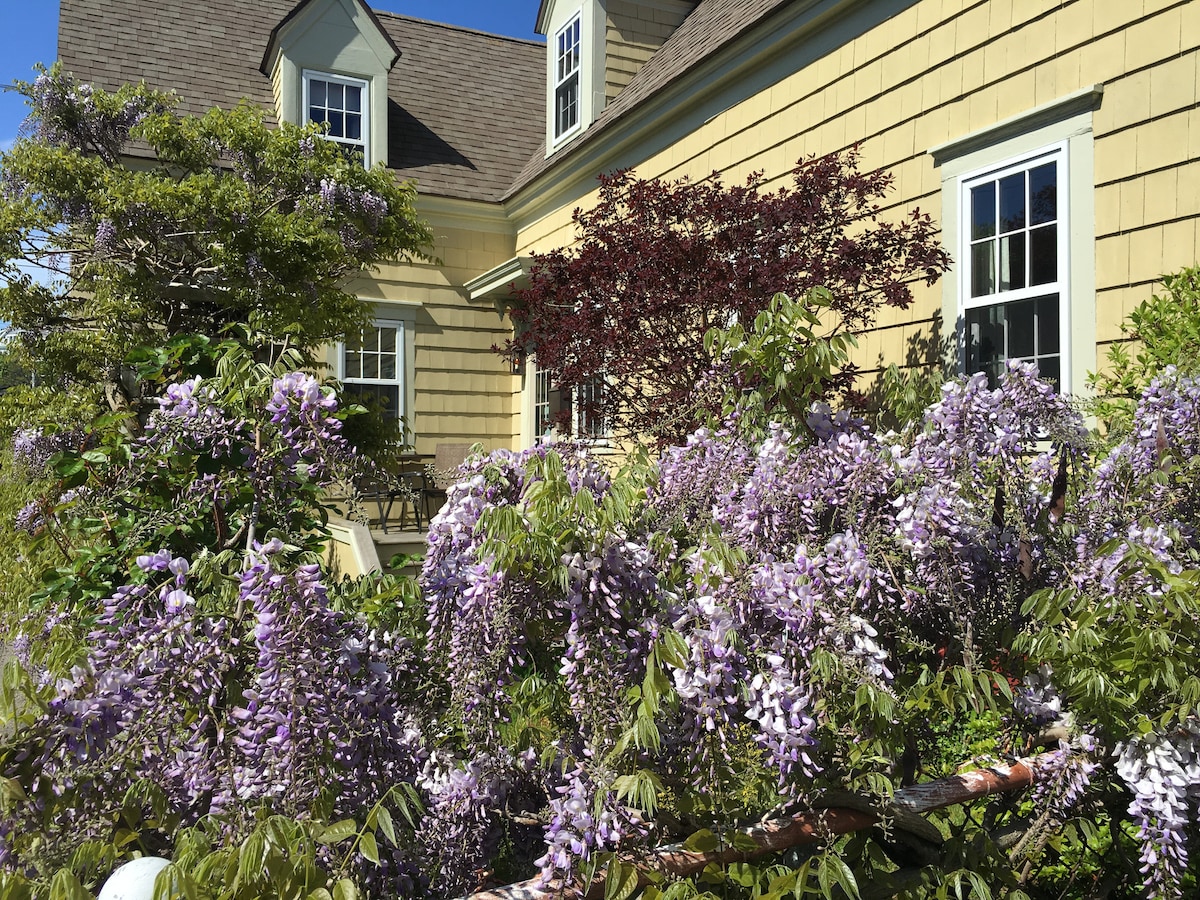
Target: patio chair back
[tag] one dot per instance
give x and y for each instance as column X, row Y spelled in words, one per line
column 442, row 473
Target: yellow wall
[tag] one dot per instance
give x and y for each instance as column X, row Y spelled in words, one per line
column 463, row 391
column 942, row 69
column 634, row 31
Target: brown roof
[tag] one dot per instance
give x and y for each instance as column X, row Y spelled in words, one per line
column 465, row 108
column 712, row 25
column 468, row 108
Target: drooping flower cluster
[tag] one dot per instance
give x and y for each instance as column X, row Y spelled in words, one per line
column 322, row 714
column 1163, row 774
column 747, row 561
column 1063, row 776
column 584, row 823
column 303, row 411
column 33, row 447
column 145, row 704
column 68, row 116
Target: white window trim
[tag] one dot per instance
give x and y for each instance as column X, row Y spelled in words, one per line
column 365, row 142
column 1067, row 120
column 551, row 435
column 404, row 368
column 1062, row 286
column 556, row 137
column 593, row 32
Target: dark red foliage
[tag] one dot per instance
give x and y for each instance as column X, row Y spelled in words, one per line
column 658, row 263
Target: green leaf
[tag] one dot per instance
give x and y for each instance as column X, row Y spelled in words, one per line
column 65, row 886
column 620, row 881
column 743, row 842
column 844, row 876
column 368, row 847
column 384, row 819
column 742, row 873
column 65, row 465
column 338, row 831
column 345, row 890
column 251, row 858
column 703, row 841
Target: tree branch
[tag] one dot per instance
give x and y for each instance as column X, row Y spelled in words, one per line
column 809, row 827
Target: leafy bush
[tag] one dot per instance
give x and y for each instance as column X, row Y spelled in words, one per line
column 233, row 223
column 1162, row 331
column 769, row 617
column 659, row 263
column 794, row 614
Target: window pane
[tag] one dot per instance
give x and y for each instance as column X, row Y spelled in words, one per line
column 1020, row 322
column 983, row 269
column 335, row 124
column 387, row 339
column 387, row 367
column 567, row 109
column 353, row 127
column 336, row 100
column 371, row 339
column 1049, row 369
column 353, row 98
column 983, row 211
column 1043, row 194
column 370, row 365
column 316, row 114
column 1043, row 253
column 316, row 92
column 383, row 397
column 1012, row 262
column 1022, row 330
column 353, row 364
column 985, row 339
column 1047, row 325
column 1012, row 201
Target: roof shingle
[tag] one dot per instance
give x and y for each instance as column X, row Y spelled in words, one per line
column 465, row 108
column 712, row 25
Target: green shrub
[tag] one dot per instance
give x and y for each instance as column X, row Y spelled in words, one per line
column 1162, row 331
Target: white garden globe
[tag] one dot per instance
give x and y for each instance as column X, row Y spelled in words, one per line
column 134, row 880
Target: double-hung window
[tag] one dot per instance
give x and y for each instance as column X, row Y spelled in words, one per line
column 340, row 104
column 588, row 422
column 543, row 415
column 548, row 401
column 566, row 77
column 373, row 367
column 1014, row 275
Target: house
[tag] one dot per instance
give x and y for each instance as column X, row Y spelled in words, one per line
column 1057, row 141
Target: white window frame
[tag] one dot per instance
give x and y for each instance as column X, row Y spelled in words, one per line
column 561, row 78
column 1058, row 154
column 543, row 412
column 1067, row 122
column 543, row 386
column 364, row 141
column 402, row 381
column 585, row 429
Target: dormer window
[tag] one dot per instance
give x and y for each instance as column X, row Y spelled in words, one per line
column 340, row 105
column 566, row 78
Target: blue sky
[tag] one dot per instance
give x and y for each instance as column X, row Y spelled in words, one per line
column 28, row 36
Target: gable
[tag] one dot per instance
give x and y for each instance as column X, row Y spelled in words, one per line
column 336, row 35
